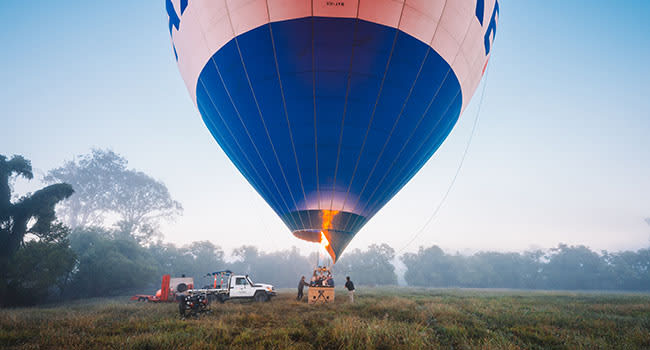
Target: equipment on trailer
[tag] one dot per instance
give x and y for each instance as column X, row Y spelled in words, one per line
column 170, row 288
column 193, row 304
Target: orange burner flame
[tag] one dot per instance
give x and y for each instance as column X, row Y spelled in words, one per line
column 328, row 216
column 323, row 240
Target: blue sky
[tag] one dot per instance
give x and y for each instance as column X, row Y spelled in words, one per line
column 561, row 152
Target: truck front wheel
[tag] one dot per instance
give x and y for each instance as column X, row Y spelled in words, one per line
column 261, row 297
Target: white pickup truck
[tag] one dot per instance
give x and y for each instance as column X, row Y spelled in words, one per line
column 228, row 286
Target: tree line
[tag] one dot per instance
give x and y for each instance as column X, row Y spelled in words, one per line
column 563, row 267
column 105, row 241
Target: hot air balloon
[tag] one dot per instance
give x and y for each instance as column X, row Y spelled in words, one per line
column 329, row 107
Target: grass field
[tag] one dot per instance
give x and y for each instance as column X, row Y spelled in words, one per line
column 400, row 318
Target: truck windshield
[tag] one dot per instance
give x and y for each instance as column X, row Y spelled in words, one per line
column 249, row 281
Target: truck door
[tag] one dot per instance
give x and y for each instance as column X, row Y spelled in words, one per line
column 240, row 288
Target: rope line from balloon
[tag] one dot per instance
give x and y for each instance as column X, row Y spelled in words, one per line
column 460, row 166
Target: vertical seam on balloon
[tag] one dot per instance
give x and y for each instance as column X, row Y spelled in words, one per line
column 408, row 140
column 423, row 157
column 250, row 138
column 354, row 172
column 454, row 60
column 286, row 113
column 429, row 48
column 459, row 92
column 205, row 41
column 275, row 200
column 235, row 140
column 402, row 183
column 390, row 134
column 242, row 121
column 259, row 111
column 345, row 106
column 313, row 79
column 243, row 170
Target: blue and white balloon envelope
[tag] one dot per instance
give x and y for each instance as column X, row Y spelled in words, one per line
column 328, row 108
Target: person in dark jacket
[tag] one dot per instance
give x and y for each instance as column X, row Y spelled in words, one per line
column 301, row 286
column 350, row 287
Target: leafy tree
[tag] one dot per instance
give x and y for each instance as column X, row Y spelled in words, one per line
column 142, row 202
column 370, row 267
column 171, row 259
column 108, row 265
column 31, row 214
column 531, row 269
column 195, row 260
column 563, row 267
column 576, row 267
column 281, row 268
column 431, row 267
column 106, row 187
column 38, row 270
column 205, row 256
column 247, row 257
column 631, row 270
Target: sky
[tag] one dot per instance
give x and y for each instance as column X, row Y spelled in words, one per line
column 560, row 154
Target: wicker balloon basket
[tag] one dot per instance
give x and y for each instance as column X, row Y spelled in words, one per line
column 320, row 295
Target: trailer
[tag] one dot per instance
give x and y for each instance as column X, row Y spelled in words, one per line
column 169, row 290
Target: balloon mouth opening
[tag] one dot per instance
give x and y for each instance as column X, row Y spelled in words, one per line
column 318, row 236
column 313, row 236
column 334, row 227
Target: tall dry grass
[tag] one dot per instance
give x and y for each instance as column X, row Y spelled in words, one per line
column 387, row 318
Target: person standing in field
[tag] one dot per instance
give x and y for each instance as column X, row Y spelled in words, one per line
column 301, row 286
column 350, row 287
